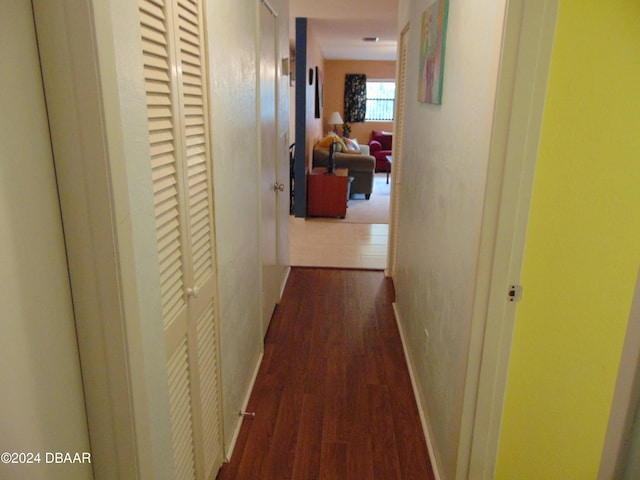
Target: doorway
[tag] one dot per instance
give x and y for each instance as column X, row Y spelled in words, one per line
column 394, row 210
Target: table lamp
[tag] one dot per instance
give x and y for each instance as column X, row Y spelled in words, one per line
column 335, row 119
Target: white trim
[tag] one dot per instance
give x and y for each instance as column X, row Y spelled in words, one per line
column 228, row 451
column 398, row 132
column 625, row 399
column 269, row 7
column 416, row 392
column 285, row 279
column 522, row 82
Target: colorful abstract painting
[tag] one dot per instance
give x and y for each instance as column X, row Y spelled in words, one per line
column 434, row 31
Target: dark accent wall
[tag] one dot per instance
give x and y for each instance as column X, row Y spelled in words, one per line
column 300, row 207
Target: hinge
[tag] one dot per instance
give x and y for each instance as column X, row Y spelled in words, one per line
column 515, row 293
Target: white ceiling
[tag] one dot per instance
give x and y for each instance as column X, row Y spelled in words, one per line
column 339, row 27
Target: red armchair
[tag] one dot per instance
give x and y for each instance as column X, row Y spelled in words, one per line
column 380, row 146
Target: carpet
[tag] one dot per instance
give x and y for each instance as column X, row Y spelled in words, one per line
column 361, row 210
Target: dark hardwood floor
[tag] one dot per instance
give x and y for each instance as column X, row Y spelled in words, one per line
column 333, row 397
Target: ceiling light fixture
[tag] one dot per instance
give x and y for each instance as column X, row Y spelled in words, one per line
column 371, row 39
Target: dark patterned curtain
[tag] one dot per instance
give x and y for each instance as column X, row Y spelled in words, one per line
column 355, row 97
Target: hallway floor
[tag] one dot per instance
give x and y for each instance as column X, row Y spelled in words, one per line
column 333, row 397
column 318, row 243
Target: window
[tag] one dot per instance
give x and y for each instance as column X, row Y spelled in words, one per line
column 380, row 99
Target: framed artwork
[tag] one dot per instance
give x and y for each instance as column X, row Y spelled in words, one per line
column 432, row 48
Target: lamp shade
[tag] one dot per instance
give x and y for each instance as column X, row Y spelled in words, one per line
column 335, row 119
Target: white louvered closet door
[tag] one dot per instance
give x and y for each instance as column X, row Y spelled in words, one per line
column 175, row 77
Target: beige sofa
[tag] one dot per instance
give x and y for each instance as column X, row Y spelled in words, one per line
column 361, row 167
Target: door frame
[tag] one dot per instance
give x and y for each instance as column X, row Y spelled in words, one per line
column 396, row 173
column 95, row 97
column 525, row 60
column 626, row 399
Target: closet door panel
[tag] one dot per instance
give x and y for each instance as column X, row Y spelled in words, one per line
column 175, row 78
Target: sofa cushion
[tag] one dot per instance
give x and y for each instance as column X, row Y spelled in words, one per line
column 327, row 141
column 355, row 163
column 333, row 138
column 352, row 145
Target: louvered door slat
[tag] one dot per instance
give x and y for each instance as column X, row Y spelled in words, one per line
column 159, row 3
column 197, row 169
column 191, row 58
column 166, row 212
column 160, row 125
column 158, row 111
column 155, row 38
column 162, row 157
column 188, row 31
column 156, row 62
column 189, row 34
column 189, row 5
column 163, row 182
column 195, row 150
column 160, row 136
column 172, row 260
column 200, row 217
column 151, row 8
column 157, row 75
column 189, row 69
column 160, row 100
column 192, row 90
column 152, row 86
column 195, row 134
column 164, row 188
column 154, row 55
column 195, row 109
column 167, row 224
column 188, row 14
column 155, row 23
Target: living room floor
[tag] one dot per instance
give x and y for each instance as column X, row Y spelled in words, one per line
column 317, row 243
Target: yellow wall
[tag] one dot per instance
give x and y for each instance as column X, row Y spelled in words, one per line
column 583, row 248
column 335, row 71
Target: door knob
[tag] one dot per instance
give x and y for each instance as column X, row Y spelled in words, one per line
column 278, row 187
column 193, row 292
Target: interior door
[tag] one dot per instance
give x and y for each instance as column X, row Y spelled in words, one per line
column 175, row 77
column 270, row 191
column 42, row 403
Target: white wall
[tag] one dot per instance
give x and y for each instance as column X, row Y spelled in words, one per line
column 446, row 152
column 232, row 35
column 42, row 404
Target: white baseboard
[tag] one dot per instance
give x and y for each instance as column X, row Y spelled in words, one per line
column 416, row 392
column 236, row 432
column 284, row 281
